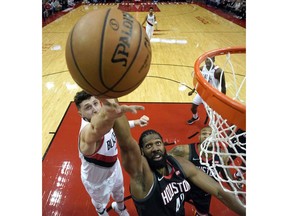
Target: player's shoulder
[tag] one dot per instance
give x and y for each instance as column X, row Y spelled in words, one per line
column 218, row 69
column 185, row 164
column 179, row 150
column 218, row 72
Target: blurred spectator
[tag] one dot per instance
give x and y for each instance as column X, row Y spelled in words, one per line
column 214, row 3
column 236, row 7
column 243, row 10
column 64, row 4
column 71, row 3
column 239, row 9
column 56, row 5
column 86, row 2
column 223, row 4
column 49, row 8
column 230, row 5
column 45, row 12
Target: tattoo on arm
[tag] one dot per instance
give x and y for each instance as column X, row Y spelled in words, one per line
column 178, row 151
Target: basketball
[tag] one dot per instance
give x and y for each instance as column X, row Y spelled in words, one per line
column 108, row 53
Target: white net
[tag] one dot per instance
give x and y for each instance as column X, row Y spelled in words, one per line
column 228, row 141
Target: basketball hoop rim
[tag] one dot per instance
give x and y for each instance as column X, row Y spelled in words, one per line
column 232, row 110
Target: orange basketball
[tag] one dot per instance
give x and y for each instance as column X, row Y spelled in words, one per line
column 108, row 53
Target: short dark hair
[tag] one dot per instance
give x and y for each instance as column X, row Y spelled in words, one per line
column 151, row 8
column 81, row 96
column 145, row 133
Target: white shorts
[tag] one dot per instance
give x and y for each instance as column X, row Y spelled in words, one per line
column 101, row 191
column 149, row 30
column 197, row 100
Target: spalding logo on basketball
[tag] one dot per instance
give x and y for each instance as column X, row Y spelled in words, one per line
column 108, row 53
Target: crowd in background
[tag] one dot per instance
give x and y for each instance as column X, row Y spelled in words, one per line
column 50, row 7
column 236, row 7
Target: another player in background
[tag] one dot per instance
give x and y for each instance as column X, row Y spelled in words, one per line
column 159, row 182
column 101, row 173
column 215, row 76
column 240, row 148
column 201, row 199
column 150, row 20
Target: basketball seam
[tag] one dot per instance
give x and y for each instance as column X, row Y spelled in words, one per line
column 75, row 62
column 101, row 51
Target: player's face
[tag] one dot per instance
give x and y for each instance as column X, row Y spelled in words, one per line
column 151, row 11
column 89, row 107
column 154, row 151
column 209, row 63
column 204, row 133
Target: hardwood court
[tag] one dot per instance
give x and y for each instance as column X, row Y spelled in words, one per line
column 185, row 31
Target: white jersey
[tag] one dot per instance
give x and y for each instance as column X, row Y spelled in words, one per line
column 209, row 75
column 149, row 25
column 150, row 20
column 103, row 158
column 101, row 172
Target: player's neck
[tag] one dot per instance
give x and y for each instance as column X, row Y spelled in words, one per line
column 165, row 171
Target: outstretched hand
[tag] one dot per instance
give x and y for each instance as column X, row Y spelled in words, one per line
column 143, row 121
column 116, row 110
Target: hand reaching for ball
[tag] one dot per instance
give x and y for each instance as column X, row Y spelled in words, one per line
column 143, row 121
column 115, row 110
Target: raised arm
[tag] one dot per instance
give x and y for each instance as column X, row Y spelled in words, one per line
column 114, row 116
column 100, row 124
column 141, row 177
column 209, row 185
column 130, row 151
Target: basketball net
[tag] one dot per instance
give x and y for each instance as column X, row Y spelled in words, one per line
column 228, row 138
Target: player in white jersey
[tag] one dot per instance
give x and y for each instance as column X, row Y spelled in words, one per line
column 101, row 173
column 150, row 21
column 215, row 76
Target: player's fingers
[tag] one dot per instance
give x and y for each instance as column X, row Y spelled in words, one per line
column 144, row 118
column 132, row 108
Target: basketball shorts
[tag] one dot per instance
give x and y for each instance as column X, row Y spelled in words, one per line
column 197, row 100
column 149, row 30
column 100, row 191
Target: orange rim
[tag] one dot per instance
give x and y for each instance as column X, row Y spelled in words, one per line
column 233, row 111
